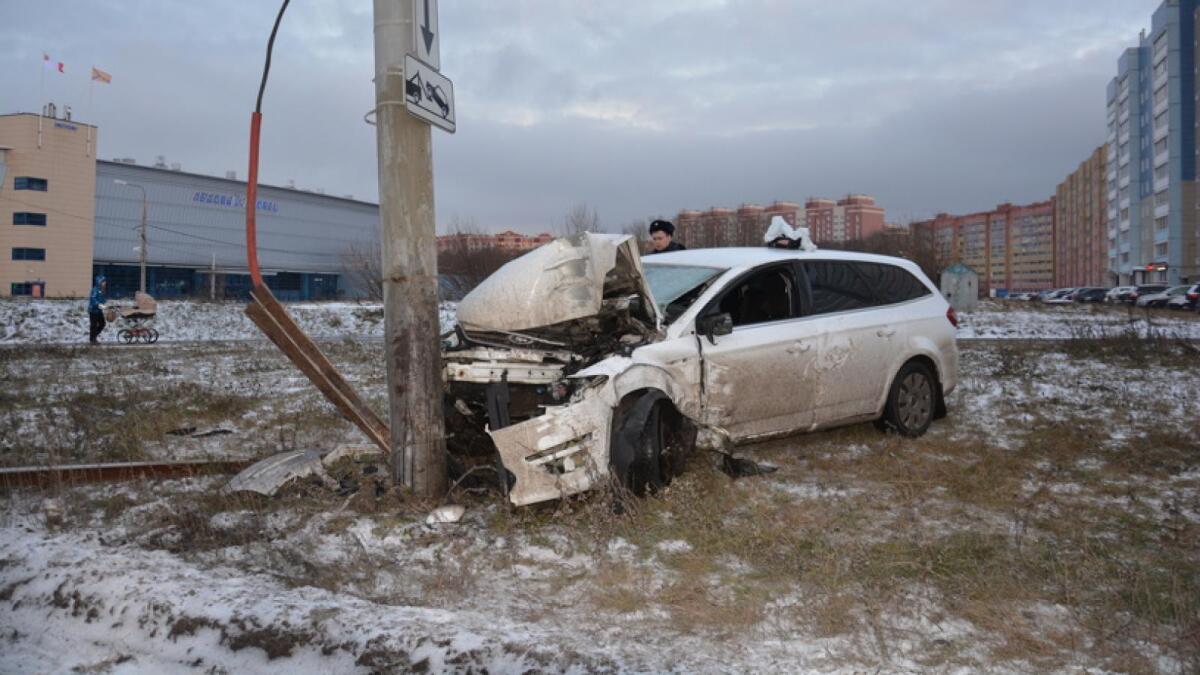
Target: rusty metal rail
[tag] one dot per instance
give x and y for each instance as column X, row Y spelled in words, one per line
column 273, row 320
column 42, row 476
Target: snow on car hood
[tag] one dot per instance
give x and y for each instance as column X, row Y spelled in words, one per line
column 567, row 279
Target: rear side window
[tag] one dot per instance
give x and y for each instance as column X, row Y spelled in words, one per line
column 891, row 284
column 837, row 287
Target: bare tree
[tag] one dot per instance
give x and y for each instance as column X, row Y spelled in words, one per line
column 580, row 218
column 466, row 257
column 911, row 245
column 639, row 230
column 363, row 265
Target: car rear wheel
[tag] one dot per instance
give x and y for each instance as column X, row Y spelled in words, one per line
column 912, row 400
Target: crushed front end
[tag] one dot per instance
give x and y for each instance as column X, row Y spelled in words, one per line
column 510, row 366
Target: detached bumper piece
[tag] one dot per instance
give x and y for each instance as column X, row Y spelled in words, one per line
column 561, row 453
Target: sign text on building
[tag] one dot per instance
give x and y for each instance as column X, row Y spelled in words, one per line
column 233, row 201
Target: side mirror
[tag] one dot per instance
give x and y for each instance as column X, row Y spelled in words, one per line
column 713, row 325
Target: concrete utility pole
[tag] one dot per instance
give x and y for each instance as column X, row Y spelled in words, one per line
column 142, row 248
column 414, row 368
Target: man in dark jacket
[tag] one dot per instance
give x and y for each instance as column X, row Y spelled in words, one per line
column 662, row 234
column 96, row 307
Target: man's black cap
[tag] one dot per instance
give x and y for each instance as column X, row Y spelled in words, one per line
column 662, row 226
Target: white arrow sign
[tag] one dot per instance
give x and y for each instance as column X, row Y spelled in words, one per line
column 425, row 33
column 428, row 94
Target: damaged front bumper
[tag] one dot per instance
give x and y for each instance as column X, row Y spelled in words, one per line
column 561, row 453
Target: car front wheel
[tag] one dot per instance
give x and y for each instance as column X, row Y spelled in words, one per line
column 912, row 400
column 650, row 444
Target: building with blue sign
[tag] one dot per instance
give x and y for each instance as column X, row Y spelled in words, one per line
column 197, row 238
column 67, row 217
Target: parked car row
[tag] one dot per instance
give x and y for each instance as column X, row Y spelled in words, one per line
column 1185, row 297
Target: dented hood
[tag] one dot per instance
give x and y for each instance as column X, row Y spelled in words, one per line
column 567, row 279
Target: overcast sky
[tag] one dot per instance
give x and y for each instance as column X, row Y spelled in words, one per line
column 638, row 109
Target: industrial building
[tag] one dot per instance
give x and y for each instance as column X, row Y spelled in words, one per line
column 67, row 217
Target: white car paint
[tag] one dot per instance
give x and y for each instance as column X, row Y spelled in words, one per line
column 761, row 380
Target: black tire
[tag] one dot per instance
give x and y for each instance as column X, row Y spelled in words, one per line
column 125, row 335
column 638, row 458
column 912, row 400
column 144, row 334
column 153, row 336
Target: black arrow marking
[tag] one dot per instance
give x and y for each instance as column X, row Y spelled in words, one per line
column 425, row 32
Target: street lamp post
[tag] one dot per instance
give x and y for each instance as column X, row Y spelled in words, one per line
column 142, row 248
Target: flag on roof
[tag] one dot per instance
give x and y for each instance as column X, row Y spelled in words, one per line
column 49, row 64
column 100, row 75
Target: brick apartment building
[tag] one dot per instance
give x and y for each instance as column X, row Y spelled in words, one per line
column 1080, row 225
column 829, row 221
column 1010, row 247
column 505, row 241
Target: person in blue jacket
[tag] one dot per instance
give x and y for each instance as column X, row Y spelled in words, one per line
column 96, row 306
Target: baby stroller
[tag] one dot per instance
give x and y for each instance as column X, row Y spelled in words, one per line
column 138, row 318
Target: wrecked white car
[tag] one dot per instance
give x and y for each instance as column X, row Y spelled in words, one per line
column 581, row 360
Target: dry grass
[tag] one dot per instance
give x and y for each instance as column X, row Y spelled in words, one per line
column 1035, row 539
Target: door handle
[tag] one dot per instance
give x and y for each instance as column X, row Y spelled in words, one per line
column 798, row 348
column 885, row 332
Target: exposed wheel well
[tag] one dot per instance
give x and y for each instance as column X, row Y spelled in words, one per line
column 682, row 429
column 628, row 400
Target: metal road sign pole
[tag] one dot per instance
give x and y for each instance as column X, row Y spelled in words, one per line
column 406, row 217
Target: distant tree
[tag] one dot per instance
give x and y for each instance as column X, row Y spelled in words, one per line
column 362, row 263
column 580, row 218
column 468, row 258
column 640, row 231
column 910, row 246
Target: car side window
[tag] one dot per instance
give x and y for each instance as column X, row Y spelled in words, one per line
column 891, row 284
column 769, row 295
column 837, row 287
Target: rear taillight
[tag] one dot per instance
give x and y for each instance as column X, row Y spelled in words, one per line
column 1193, row 296
column 952, row 317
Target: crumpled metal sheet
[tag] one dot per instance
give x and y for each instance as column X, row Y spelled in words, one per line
column 272, row 473
column 560, row 281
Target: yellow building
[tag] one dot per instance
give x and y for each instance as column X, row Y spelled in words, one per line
column 47, row 205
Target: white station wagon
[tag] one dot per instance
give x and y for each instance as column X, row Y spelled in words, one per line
column 582, row 360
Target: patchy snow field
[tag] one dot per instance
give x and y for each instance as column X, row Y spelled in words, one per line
column 1032, row 320
column 1050, row 524
column 66, row 321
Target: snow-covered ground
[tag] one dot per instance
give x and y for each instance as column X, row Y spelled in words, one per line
column 66, row 321
column 1049, row 524
column 1032, row 320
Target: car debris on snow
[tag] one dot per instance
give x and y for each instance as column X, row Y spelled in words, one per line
column 451, row 513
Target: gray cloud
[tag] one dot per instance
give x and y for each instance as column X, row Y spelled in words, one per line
column 638, row 109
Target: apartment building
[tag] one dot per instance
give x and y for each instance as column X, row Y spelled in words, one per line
column 829, row 221
column 1011, row 247
column 1152, row 153
column 1081, row 225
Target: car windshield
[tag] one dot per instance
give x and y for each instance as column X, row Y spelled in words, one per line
column 676, row 287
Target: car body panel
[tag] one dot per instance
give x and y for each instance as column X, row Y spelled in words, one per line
column 564, row 280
